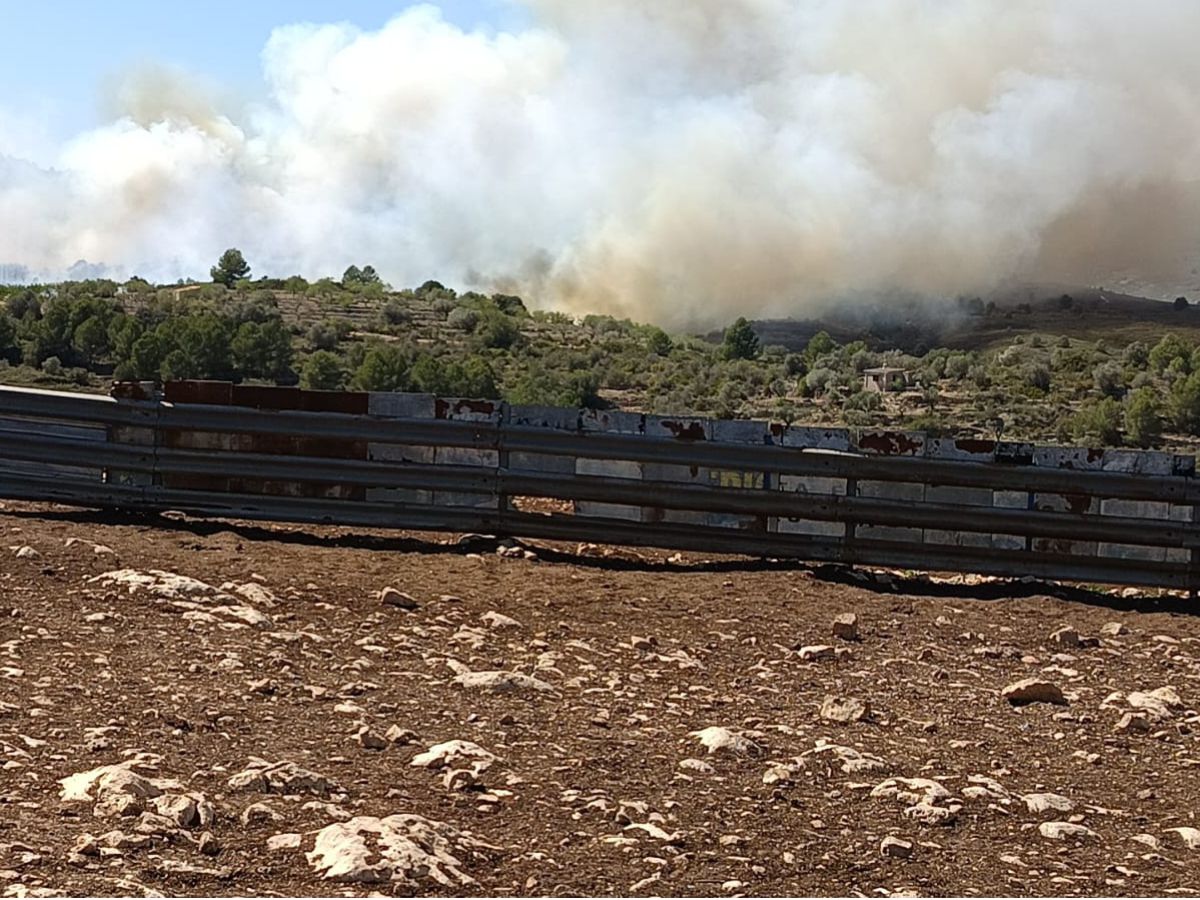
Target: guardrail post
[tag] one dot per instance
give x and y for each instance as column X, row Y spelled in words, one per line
column 146, row 435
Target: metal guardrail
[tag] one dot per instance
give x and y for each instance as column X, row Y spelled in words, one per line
column 423, row 463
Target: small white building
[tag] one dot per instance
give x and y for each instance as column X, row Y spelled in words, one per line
column 883, row 379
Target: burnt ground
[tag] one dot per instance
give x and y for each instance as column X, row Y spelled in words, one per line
column 588, row 796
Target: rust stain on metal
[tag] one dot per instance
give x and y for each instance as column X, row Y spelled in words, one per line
column 685, row 431
column 216, row 393
column 132, row 390
column 889, row 443
column 975, row 445
column 272, row 398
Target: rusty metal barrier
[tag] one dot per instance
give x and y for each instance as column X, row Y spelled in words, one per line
column 419, row 462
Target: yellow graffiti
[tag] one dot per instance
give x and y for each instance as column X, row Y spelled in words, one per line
column 732, row 479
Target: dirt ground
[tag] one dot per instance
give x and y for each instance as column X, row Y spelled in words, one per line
column 600, row 782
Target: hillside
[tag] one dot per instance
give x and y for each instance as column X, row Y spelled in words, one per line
column 1087, row 367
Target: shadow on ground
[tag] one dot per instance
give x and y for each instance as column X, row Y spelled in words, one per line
column 882, row 582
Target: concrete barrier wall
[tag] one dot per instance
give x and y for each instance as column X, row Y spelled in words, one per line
column 606, row 422
column 838, row 525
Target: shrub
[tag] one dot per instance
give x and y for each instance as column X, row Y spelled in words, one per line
column 1109, row 379
column 818, row 379
column 1143, row 417
column 497, row 331
column 323, row 372
column 395, row 313
column 658, row 342
column 383, row 368
column 463, row 318
column 1185, row 404
column 740, row 341
column 1038, row 377
column 1098, row 423
column 1172, row 349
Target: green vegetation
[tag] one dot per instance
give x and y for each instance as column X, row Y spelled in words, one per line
column 230, row 269
column 358, row 333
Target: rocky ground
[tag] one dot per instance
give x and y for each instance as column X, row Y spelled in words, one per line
column 221, row 708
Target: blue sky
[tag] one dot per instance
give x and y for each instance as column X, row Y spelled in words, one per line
column 59, row 55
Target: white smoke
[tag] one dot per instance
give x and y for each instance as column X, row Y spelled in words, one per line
column 680, row 162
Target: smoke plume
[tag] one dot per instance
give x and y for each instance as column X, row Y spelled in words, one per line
column 678, row 162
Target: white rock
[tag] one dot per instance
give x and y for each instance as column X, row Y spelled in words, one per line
column 659, row 834
column 928, row 814
column 288, row 841
column 1040, row 803
column 115, row 790
column 1156, row 704
column 400, row 849
column 1061, row 831
column 247, row 615
column 721, row 740
column 499, row 621
column 502, row 682
column 282, row 777
column 169, row 585
column 256, row 594
column 848, row 759
column 816, row 652
column 456, row 754
column 1190, row 836
column 844, row 710
column 696, row 765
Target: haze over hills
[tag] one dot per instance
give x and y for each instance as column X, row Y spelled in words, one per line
column 975, row 323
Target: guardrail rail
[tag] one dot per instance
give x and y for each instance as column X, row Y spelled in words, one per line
column 418, row 462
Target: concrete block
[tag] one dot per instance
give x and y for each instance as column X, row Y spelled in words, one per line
column 1136, row 509
column 1008, row 542
column 609, row 468
column 957, row 538
column 888, row 533
column 739, row 431
column 1138, row 462
column 961, row 449
column 1133, row 551
column 892, row 490
column 401, row 406
column 1011, row 499
column 817, row 438
column 808, row 526
column 551, row 417
column 1081, row 458
column 959, row 496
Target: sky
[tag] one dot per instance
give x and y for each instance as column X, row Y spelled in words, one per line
column 677, row 161
column 59, row 56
